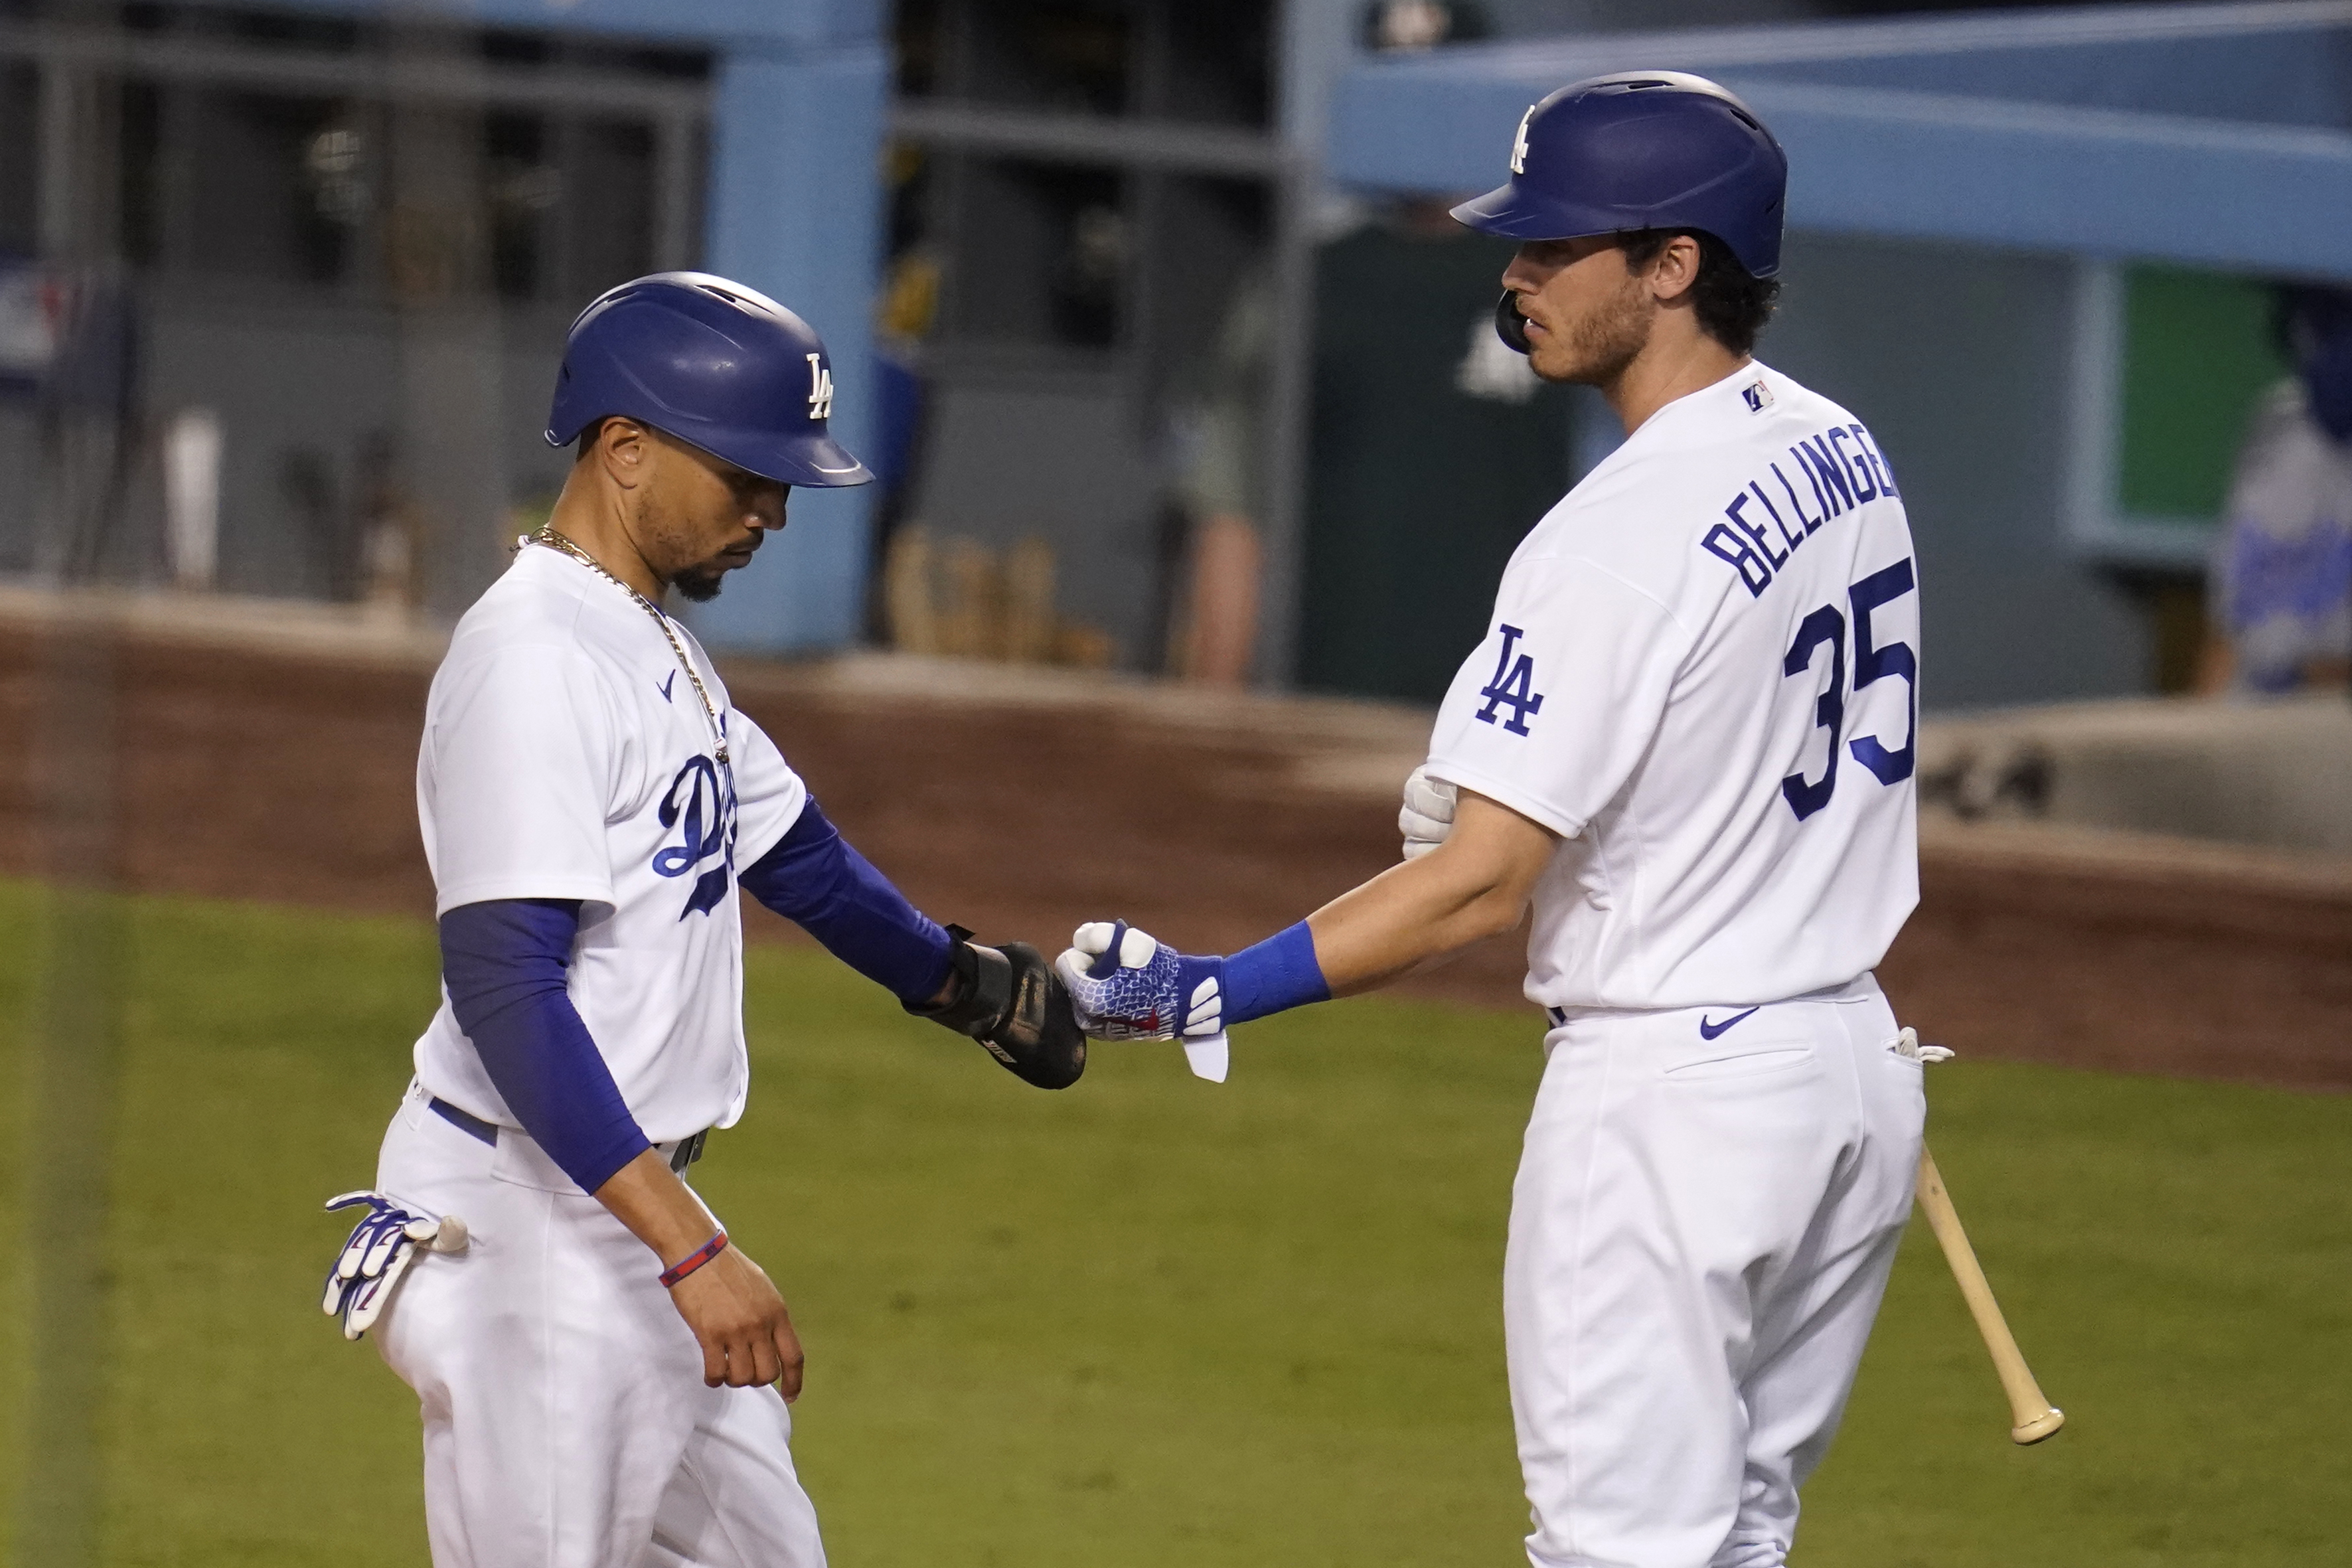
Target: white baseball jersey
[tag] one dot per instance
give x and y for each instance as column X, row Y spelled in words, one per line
column 566, row 756
column 1703, row 672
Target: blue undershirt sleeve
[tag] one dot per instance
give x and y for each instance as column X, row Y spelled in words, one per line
column 814, row 878
column 1278, row 973
column 504, row 963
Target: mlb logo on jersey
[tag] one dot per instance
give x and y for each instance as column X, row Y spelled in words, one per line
column 1757, row 395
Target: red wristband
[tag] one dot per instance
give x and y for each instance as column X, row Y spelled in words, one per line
column 695, row 1259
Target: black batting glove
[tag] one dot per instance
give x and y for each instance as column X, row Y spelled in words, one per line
column 1011, row 1001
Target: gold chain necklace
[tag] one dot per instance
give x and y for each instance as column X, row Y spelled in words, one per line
column 556, row 541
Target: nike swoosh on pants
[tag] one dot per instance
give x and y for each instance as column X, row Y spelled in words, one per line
column 1708, row 1029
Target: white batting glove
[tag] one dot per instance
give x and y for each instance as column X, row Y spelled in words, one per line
column 1125, row 986
column 378, row 1252
column 1428, row 813
column 1907, row 1044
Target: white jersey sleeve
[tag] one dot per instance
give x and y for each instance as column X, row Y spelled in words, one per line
column 1552, row 713
column 525, row 737
column 770, row 796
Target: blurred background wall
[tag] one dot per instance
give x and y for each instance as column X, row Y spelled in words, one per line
column 1147, row 311
column 330, row 250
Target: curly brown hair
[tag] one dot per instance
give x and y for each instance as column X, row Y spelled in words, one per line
column 1732, row 306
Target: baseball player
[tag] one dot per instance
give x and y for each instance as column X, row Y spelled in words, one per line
column 2280, row 580
column 603, row 1375
column 1687, row 741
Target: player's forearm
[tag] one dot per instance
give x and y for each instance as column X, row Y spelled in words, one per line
column 504, row 965
column 815, row 880
column 1474, row 886
column 1125, row 986
column 1401, row 919
column 660, row 1210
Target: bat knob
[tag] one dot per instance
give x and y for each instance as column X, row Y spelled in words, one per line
column 452, row 1237
column 2045, row 1424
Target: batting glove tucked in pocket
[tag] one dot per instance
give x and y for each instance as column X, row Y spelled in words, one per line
column 378, row 1252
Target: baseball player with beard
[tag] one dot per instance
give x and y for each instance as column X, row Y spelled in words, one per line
column 602, row 1374
column 1687, row 743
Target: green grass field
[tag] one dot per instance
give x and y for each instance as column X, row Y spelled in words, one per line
column 1154, row 1322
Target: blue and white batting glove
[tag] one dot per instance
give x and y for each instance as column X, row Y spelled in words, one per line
column 379, row 1251
column 1125, row 985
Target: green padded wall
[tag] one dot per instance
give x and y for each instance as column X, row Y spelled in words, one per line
column 2197, row 349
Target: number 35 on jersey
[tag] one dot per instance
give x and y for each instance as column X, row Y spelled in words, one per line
column 1874, row 661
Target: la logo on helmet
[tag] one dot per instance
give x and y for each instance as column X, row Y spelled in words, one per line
column 820, row 389
column 1519, row 142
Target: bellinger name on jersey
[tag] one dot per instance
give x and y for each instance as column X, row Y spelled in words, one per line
column 1840, row 469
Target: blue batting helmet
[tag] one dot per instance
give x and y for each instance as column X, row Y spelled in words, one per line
column 717, row 366
column 1642, row 150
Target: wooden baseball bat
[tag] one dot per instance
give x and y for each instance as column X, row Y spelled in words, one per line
column 2033, row 1417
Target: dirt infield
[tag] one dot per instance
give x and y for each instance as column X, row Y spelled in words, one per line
column 1017, row 803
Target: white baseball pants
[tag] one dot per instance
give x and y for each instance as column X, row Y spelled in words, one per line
column 566, row 1422
column 1700, row 1234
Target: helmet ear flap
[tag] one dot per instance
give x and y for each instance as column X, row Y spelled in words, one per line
column 1511, row 325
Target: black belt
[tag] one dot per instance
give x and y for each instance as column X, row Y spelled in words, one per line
column 687, row 1151
column 1558, row 1016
